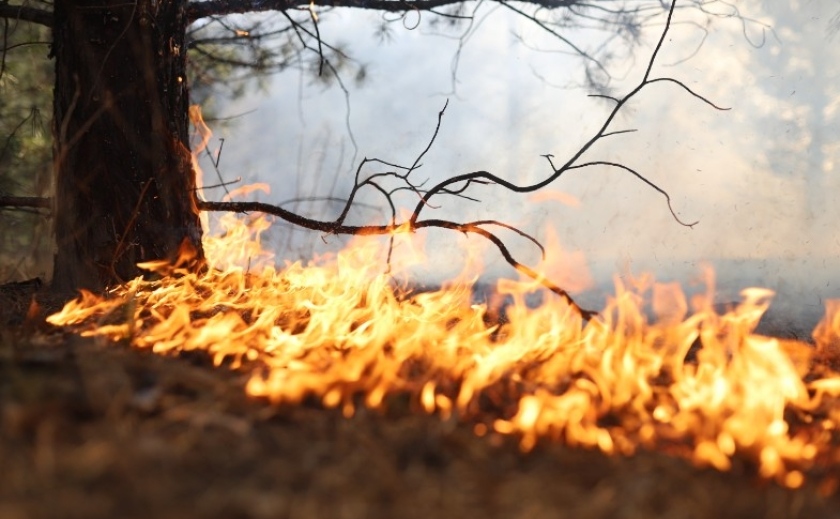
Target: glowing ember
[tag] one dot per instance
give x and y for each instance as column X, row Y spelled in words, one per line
column 692, row 382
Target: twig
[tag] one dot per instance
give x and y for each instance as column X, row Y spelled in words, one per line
column 571, row 163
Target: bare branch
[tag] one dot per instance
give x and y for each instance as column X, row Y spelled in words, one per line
column 26, row 14
column 198, row 10
column 571, row 163
column 208, row 8
column 396, row 228
column 25, row 202
column 690, row 91
column 604, row 96
column 459, row 184
column 643, row 179
column 514, row 229
column 26, row 44
column 619, row 132
column 556, row 34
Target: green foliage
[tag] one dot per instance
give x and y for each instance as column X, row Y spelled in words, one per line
column 26, row 87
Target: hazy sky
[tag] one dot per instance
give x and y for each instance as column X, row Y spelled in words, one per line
column 760, row 178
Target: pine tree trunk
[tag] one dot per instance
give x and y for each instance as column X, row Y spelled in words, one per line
column 125, row 187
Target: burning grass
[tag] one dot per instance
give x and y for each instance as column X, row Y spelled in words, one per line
column 691, row 382
column 96, row 430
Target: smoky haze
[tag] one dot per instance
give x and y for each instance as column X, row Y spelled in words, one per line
column 760, row 178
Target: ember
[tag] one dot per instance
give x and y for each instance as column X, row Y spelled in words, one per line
column 691, row 381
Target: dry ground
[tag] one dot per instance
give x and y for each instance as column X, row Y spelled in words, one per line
column 95, row 430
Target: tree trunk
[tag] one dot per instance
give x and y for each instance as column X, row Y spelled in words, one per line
column 125, row 188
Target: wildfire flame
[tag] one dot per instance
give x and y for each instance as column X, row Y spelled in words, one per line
column 691, row 381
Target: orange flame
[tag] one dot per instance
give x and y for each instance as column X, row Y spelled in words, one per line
column 693, row 382
column 690, row 381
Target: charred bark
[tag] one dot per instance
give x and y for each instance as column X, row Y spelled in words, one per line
column 125, row 188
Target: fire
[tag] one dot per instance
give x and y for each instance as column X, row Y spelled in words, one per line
column 669, row 374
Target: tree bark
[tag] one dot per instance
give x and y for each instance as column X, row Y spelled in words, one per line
column 125, row 185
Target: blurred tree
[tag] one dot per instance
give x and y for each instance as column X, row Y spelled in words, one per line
column 25, row 148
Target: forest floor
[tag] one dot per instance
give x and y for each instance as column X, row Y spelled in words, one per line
column 90, row 429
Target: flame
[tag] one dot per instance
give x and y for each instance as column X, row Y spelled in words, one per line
column 689, row 381
column 201, row 138
column 656, row 370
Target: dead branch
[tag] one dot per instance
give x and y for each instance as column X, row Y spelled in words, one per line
column 25, row 202
column 382, row 180
column 458, row 186
column 26, row 14
column 616, row 21
column 198, row 10
column 572, row 162
column 333, row 227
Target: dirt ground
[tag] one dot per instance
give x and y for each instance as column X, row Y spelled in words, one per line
column 91, row 430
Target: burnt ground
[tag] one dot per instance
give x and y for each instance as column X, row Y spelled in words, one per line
column 93, row 430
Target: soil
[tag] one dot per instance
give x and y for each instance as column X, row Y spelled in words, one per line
column 91, row 429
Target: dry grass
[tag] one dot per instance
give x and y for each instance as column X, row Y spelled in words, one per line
column 96, row 430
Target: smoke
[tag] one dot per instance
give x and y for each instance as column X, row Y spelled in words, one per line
column 759, row 178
